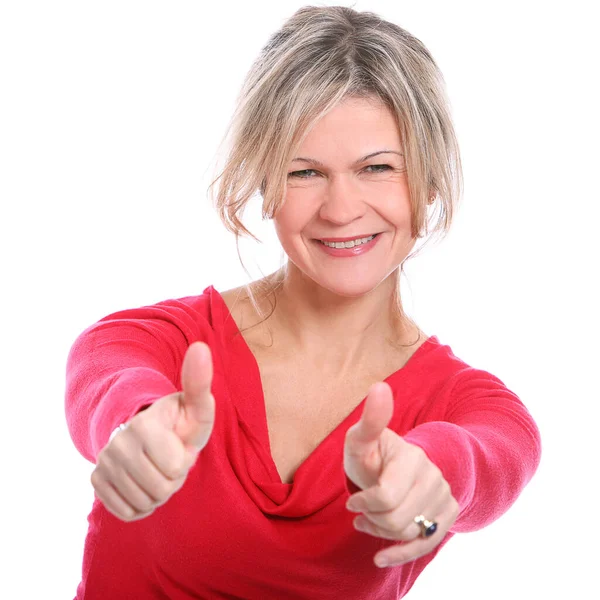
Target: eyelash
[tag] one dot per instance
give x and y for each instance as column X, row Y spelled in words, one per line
column 295, row 173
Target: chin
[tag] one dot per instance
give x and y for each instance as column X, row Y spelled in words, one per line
column 351, row 287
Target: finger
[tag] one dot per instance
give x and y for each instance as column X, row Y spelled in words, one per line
column 124, row 484
column 362, row 524
column 151, row 479
column 196, row 398
column 430, row 496
column 427, row 497
column 112, row 499
column 148, row 440
column 397, row 477
column 163, row 448
column 409, row 551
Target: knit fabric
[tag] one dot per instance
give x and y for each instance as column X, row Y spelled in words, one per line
column 234, row 530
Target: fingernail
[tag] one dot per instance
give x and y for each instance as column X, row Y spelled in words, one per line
column 381, row 561
column 359, row 526
column 352, row 506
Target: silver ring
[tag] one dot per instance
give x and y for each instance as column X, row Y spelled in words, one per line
column 121, row 427
column 427, row 527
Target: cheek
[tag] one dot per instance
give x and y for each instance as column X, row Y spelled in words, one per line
column 287, row 226
column 395, row 207
column 284, row 224
column 294, row 215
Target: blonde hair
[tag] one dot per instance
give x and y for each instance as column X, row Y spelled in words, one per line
column 320, row 57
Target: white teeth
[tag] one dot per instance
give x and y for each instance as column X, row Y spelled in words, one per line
column 349, row 244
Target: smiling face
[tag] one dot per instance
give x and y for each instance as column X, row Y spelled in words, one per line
column 334, row 192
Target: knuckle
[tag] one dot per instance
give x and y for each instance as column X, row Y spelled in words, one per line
column 130, row 511
column 443, row 488
column 121, row 514
column 388, row 534
column 127, row 515
column 95, row 478
column 116, row 451
column 386, row 496
column 174, row 468
column 140, row 500
column 396, row 527
column 163, row 491
column 102, row 460
column 382, row 532
column 142, row 515
column 431, row 479
column 436, row 471
column 100, row 497
column 174, row 465
column 145, row 506
column 139, row 427
column 419, row 455
column 405, row 528
column 455, row 507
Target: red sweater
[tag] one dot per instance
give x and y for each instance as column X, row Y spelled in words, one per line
column 234, row 530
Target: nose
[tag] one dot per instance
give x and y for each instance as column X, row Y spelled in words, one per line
column 342, row 201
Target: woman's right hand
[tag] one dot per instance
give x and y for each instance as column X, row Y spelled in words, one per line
column 143, row 465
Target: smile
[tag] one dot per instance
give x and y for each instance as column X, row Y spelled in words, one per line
column 350, row 243
column 349, row 248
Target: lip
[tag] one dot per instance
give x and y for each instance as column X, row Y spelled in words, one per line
column 346, row 239
column 349, row 252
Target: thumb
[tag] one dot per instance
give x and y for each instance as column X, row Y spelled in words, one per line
column 363, row 459
column 376, row 415
column 197, row 402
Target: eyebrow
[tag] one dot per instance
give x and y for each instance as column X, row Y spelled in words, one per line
column 320, row 164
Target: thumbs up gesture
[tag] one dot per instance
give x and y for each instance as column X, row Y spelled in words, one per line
column 399, row 483
column 143, row 465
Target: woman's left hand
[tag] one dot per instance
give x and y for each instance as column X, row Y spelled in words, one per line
column 398, row 483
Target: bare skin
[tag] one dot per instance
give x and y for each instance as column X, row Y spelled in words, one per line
column 332, row 340
column 313, row 389
column 334, row 331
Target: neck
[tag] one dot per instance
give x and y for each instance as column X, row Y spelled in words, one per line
column 337, row 331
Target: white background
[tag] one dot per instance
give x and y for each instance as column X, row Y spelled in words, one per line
column 111, row 113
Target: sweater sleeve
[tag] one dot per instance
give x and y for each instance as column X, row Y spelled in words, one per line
column 123, row 363
column 487, row 446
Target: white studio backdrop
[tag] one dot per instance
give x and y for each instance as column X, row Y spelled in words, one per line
column 110, row 117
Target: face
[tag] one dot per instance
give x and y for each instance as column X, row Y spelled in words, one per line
column 334, row 192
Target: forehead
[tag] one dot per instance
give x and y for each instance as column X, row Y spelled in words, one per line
column 353, row 128
column 356, row 112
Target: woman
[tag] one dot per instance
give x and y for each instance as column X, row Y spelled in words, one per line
column 301, row 437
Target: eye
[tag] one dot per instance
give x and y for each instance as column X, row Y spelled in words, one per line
column 383, row 167
column 297, row 173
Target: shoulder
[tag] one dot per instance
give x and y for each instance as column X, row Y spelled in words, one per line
column 193, row 316
column 234, row 297
column 243, row 310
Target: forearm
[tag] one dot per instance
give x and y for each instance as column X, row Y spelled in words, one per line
column 487, row 460
column 113, row 369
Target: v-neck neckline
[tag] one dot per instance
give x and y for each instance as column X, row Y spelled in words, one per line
column 233, row 332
